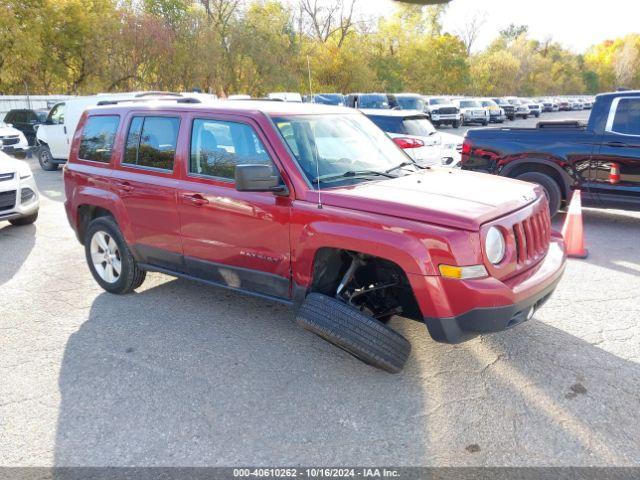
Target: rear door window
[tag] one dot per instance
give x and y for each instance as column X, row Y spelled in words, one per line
column 152, row 141
column 627, row 117
column 97, row 139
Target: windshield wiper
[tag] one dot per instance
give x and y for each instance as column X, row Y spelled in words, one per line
column 404, row 164
column 353, row 174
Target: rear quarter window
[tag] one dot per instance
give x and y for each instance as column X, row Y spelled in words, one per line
column 98, row 135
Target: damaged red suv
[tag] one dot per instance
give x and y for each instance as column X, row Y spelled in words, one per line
column 312, row 206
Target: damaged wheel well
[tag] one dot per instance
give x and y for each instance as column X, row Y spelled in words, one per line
column 367, row 282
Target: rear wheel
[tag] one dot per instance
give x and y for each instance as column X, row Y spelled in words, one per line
column 109, row 258
column 46, row 159
column 360, row 335
column 550, row 187
column 455, row 124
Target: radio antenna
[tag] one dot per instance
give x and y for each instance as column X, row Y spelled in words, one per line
column 318, row 180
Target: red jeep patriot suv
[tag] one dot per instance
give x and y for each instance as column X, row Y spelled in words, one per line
column 313, row 206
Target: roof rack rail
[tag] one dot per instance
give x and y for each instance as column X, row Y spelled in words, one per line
column 181, row 99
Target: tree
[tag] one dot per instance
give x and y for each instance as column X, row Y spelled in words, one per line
column 512, row 32
column 471, row 28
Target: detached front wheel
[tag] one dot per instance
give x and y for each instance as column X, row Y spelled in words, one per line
column 360, row 335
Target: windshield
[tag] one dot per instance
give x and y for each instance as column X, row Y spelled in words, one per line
column 469, row 104
column 411, row 103
column 373, row 101
column 438, row 101
column 334, row 145
column 488, row 103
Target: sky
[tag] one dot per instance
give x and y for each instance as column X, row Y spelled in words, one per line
column 577, row 24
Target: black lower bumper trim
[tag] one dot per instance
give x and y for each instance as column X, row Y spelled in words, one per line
column 486, row 320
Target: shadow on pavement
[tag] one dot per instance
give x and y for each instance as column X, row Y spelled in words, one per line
column 186, row 375
column 15, row 245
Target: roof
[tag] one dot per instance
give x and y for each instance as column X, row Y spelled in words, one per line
column 380, row 112
column 221, row 106
column 622, row 93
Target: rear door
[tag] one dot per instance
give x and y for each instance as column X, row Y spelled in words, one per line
column 620, row 147
column 237, row 239
column 145, row 182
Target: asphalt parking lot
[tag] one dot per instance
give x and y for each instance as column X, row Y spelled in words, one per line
column 188, row 375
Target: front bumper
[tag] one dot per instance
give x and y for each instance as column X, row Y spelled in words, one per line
column 499, row 305
column 20, row 209
column 497, row 117
column 445, row 117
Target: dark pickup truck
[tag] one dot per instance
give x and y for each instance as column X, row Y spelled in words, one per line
column 602, row 157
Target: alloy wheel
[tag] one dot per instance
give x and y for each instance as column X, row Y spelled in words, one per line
column 105, row 256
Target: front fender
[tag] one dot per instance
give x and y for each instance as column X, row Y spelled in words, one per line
column 417, row 248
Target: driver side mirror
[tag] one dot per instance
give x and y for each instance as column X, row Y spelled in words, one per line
column 258, row 178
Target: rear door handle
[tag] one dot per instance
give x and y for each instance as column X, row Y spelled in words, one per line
column 616, row 144
column 195, row 199
column 124, row 186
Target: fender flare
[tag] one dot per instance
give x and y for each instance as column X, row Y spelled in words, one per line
column 97, row 197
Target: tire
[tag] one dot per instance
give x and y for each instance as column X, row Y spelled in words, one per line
column 130, row 276
column 455, row 124
column 364, row 337
column 28, row 220
column 485, row 123
column 550, row 187
column 45, row 159
column 525, row 117
column 436, row 124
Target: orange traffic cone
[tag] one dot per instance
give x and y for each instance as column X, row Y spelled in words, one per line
column 572, row 229
column 614, row 174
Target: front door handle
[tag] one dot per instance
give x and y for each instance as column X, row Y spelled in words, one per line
column 615, row 144
column 194, row 199
column 124, row 186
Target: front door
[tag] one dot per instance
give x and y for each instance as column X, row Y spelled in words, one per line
column 619, row 148
column 56, row 132
column 237, row 239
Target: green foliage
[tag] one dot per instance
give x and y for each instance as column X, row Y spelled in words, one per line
column 258, row 46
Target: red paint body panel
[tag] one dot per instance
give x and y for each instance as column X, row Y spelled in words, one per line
column 418, row 222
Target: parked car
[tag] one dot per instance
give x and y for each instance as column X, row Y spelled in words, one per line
column 368, row 100
column 576, row 104
column 471, row 111
column 509, row 110
column 19, row 201
column 547, row 105
column 285, row 96
column 534, row 107
column 26, row 121
column 411, row 101
column 412, row 131
column 496, row 113
column 314, row 207
column 53, row 138
column 328, row 99
column 442, row 111
column 564, row 105
column 586, row 104
column 601, row 158
column 521, row 108
column 12, row 140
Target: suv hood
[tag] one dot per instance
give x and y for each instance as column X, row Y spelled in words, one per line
column 452, row 198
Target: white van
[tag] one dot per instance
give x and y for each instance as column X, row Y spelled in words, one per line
column 53, row 138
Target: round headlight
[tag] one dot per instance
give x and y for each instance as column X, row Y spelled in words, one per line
column 495, row 246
